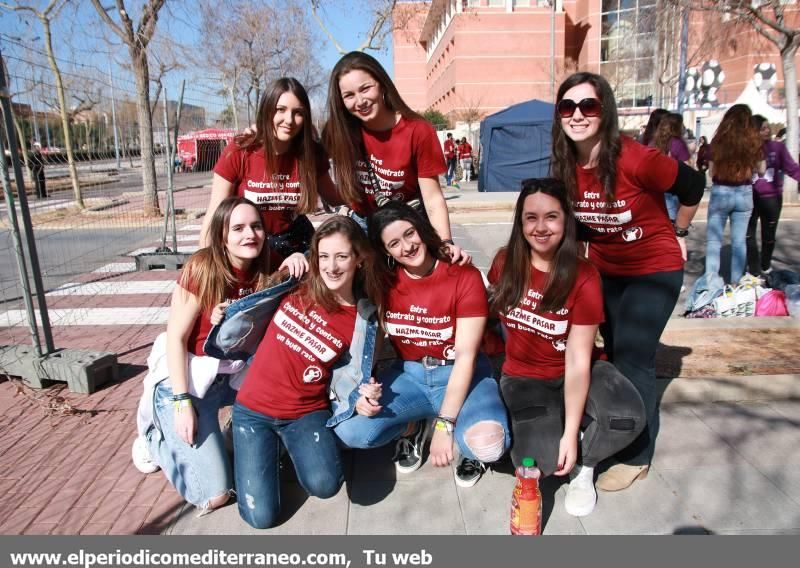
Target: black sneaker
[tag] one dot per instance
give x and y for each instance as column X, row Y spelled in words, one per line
column 468, row 472
column 408, row 449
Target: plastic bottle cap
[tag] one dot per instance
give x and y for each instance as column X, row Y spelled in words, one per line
column 528, row 462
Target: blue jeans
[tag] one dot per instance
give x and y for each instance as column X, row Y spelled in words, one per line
column 411, row 392
column 203, row 471
column 451, row 169
column 257, row 440
column 672, row 204
column 735, row 202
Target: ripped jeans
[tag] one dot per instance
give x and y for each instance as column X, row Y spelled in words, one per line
column 614, row 416
column 257, row 440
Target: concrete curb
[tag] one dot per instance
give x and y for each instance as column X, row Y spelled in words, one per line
column 751, row 323
column 730, row 389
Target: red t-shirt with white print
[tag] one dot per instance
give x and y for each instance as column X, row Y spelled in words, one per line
column 245, row 285
column 399, row 157
column 536, row 342
column 292, row 366
column 421, row 313
column 276, row 194
column 632, row 235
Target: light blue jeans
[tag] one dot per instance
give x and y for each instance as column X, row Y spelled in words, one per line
column 411, row 392
column 735, row 202
column 203, row 471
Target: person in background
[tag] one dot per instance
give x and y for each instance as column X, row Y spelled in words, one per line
column 382, row 150
column 668, row 139
column 652, row 125
column 550, row 302
column 703, row 155
column 37, row 161
column 638, row 252
column 279, row 166
column 767, row 199
column 450, row 157
column 465, row 155
column 736, row 155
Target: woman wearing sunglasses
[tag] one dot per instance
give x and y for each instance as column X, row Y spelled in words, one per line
column 617, row 188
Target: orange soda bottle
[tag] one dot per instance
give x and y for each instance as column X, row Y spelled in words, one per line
column 526, row 501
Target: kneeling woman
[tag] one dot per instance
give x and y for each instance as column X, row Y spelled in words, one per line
column 550, row 302
column 178, row 416
column 284, row 400
column 434, row 314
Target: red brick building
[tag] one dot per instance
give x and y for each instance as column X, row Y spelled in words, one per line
column 467, row 57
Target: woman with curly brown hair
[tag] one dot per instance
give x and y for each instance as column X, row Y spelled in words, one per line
column 735, row 155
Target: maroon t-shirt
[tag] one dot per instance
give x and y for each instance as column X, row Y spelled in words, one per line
column 536, row 341
column 292, row 366
column 421, row 313
column 632, row 235
column 245, row 285
column 399, row 157
column 275, row 193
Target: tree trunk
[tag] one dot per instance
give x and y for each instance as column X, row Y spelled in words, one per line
column 62, row 107
column 792, row 121
column 235, row 111
column 150, row 188
column 23, row 147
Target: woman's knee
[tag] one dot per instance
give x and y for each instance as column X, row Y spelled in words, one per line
column 486, row 440
column 258, row 515
column 323, row 484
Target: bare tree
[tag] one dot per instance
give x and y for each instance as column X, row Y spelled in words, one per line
column 246, row 45
column 378, row 33
column 137, row 40
column 769, row 19
column 46, row 17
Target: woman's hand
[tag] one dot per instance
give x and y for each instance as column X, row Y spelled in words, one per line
column 296, row 264
column 218, row 313
column 682, row 244
column 367, row 403
column 186, row 423
column 458, row 255
column 567, row 455
column 441, row 448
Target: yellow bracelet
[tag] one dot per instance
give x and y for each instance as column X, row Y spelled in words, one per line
column 443, row 426
column 181, row 404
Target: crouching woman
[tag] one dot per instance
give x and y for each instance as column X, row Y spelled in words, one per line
column 550, row 303
column 284, row 401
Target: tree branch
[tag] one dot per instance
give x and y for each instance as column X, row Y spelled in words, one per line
column 324, row 28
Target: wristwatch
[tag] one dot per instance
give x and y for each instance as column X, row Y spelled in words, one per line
column 681, row 232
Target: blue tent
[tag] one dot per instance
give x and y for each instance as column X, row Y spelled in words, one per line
column 515, row 145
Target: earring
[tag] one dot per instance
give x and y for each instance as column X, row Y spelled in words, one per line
column 390, row 262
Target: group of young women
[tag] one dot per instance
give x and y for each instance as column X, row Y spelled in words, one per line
column 392, row 252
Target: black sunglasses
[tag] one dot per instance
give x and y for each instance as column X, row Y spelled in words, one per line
column 589, row 107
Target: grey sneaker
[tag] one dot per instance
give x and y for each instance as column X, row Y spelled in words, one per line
column 408, row 449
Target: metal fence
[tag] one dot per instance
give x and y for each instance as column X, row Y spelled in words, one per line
column 85, row 205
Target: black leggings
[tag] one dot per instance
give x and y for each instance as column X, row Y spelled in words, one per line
column 613, row 417
column 768, row 211
column 637, row 311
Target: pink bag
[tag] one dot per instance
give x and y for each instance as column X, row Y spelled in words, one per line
column 772, row 303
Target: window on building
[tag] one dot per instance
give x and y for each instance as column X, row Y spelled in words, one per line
column 497, row 3
column 521, row 3
column 473, row 3
column 609, row 5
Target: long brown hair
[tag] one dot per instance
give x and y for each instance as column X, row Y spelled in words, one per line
column 515, row 278
column 736, row 146
column 671, row 126
column 209, row 272
column 342, row 133
column 367, row 279
column 564, row 160
column 303, row 146
column 652, row 125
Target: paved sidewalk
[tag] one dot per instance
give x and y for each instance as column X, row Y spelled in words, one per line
column 720, row 467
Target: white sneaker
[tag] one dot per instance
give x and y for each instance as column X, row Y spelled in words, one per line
column 581, row 496
column 141, row 456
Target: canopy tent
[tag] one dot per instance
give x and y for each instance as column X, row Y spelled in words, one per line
column 515, row 145
column 199, row 150
column 758, row 105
